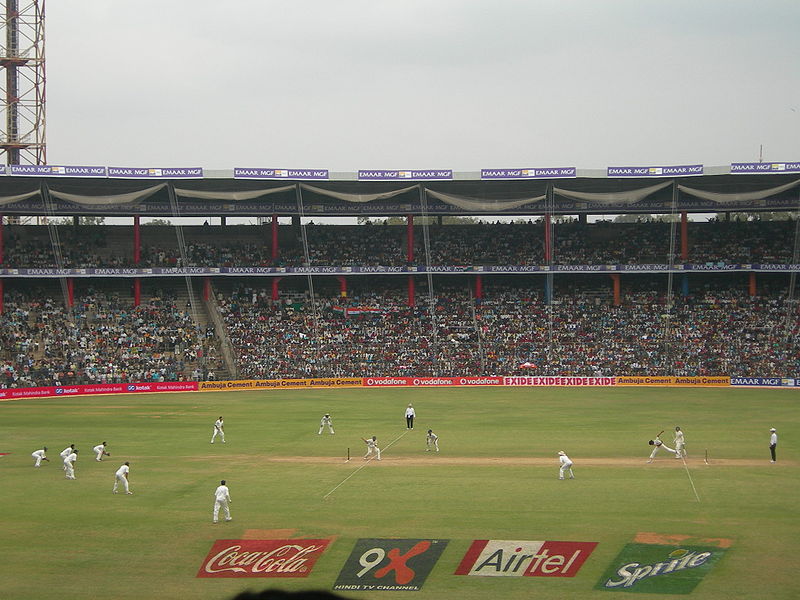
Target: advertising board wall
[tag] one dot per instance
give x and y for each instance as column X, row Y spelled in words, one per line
column 718, row 381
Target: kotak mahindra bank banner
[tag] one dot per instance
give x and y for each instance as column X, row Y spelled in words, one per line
column 103, row 388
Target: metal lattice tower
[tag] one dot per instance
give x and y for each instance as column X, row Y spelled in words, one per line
column 22, row 122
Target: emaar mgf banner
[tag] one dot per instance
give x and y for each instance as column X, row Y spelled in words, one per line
column 761, row 168
column 408, row 174
column 530, row 173
column 270, row 173
column 46, row 272
column 672, row 171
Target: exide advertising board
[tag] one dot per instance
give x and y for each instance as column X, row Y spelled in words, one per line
column 262, row 558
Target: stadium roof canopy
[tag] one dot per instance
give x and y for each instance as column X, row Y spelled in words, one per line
column 219, row 193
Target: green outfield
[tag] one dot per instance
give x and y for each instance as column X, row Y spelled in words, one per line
column 495, row 478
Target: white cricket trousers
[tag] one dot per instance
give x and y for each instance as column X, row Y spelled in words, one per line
column 120, row 479
column 70, row 471
column 566, row 468
column 218, row 432
column 38, row 460
column 373, row 450
column 226, row 509
column 679, row 450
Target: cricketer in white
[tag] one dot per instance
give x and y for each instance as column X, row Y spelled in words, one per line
column 656, row 444
column 372, row 447
column 67, row 451
column 680, row 444
column 69, row 464
column 431, row 441
column 326, row 421
column 39, row 456
column 121, row 476
column 566, row 465
column 222, row 498
column 219, row 430
column 99, row 451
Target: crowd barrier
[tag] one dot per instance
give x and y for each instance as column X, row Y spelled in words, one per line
column 377, row 382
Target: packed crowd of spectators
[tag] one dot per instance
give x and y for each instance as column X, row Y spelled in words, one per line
column 718, row 330
column 512, row 331
column 103, row 339
column 78, row 248
column 573, row 243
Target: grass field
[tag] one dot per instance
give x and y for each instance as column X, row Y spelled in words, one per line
column 495, row 478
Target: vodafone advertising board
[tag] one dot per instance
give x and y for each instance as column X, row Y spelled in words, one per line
column 262, row 558
column 430, row 381
column 488, row 380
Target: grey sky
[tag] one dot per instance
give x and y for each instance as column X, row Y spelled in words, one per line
column 349, row 84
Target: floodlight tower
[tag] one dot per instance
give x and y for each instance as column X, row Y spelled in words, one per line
column 22, row 122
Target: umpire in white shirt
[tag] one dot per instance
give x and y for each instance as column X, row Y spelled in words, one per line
column 773, row 443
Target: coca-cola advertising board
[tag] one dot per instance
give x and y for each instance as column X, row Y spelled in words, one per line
column 262, row 558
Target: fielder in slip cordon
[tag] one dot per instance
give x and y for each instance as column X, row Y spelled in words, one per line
column 39, row 456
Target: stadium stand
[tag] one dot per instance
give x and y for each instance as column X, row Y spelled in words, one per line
column 729, row 242
column 716, row 326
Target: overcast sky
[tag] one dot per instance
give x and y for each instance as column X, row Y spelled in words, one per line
column 384, row 84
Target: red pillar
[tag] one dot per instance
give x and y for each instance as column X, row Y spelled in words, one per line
column 410, row 239
column 411, row 290
column 752, row 287
column 70, row 292
column 617, row 292
column 206, row 288
column 137, row 291
column 479, row 287
column 275, row 252
column 137, row 241
column 342, row 286
column 275, row 281
column 548, row 243
column 684, row 237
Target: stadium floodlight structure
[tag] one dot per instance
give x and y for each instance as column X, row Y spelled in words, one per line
column 22, row 137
